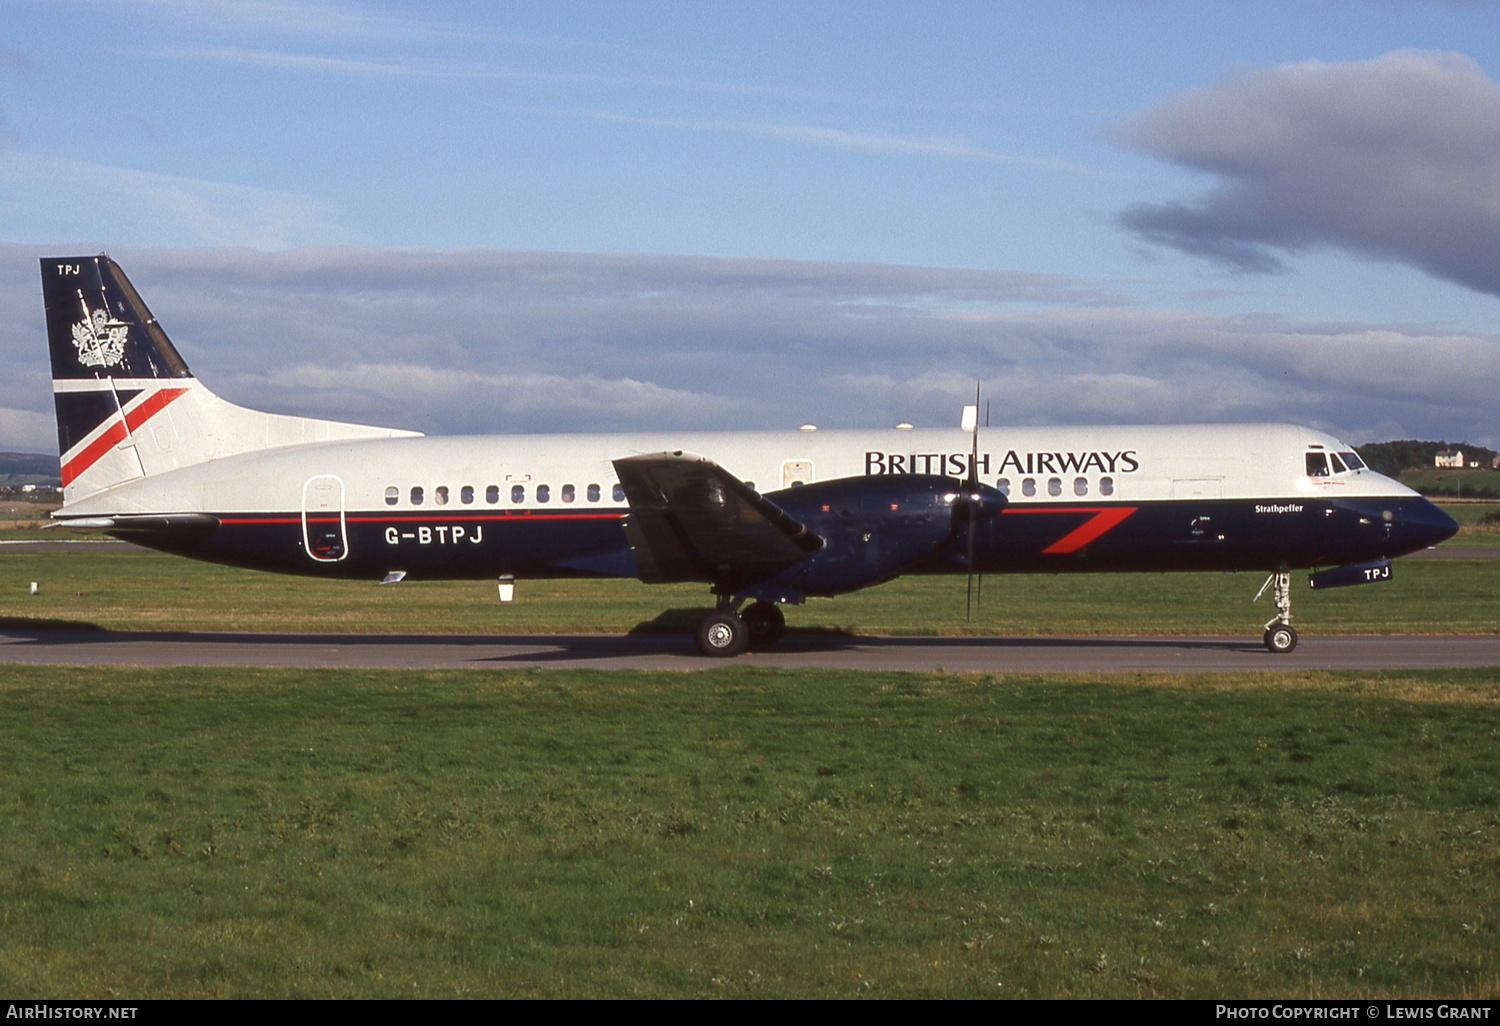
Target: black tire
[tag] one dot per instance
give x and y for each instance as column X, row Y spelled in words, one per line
column 766, row 623
column 1280, row 638
column 723, row 635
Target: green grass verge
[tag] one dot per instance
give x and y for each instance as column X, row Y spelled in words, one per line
column 1471, row 531
column 747, row 833
column 138, row 590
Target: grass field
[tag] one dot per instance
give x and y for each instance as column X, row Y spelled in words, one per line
column 1453, row 483
column 1471, row 531
column 745, row 833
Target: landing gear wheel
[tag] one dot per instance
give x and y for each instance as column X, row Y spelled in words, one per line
column 1280, row 638
column 723, row 635
column 766, row 622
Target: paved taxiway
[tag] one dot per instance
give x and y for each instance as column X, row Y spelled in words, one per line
column 656, row 652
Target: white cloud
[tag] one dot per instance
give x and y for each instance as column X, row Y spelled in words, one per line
column 50, row 197
column 301, row 18
column 1396, row 158
column 27, row 431
column 844, row 139
column 446, row 397
column 493, row 341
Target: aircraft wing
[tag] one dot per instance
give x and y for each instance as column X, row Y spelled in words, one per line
column 691, row 520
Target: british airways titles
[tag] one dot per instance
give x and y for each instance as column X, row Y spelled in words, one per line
column 956, row 464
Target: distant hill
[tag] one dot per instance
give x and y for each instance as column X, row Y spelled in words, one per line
column 18, row 468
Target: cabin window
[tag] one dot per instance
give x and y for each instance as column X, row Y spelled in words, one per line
column 618, row 492
column 1028, row 487
column 492, row 494
column 1317, row 464
column 466, row 496
column 593, row 493
column 518, row 494
column 392, row 495
column 1054, row 486
column 543, row 493
column 416, row 495
column 1106, row 486
column 1004, row 485
column 440, row 495
column 1080, row 486
column 568, row 494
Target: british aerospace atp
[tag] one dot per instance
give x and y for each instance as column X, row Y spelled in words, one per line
column 765, row 519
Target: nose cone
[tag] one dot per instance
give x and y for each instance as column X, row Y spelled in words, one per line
column 1417, row 523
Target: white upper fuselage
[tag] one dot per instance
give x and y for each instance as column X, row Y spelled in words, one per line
column 1032, row 465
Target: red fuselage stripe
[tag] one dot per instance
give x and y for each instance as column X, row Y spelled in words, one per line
column 1103, row 519
column 415, row 518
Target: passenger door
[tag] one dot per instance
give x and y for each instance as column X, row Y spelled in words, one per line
column 323, row 528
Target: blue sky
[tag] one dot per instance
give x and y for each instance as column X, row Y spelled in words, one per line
column 578, row 216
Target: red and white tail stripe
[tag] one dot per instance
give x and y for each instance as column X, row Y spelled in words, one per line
column 116, row 429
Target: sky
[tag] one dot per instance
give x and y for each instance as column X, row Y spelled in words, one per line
column 507, row 217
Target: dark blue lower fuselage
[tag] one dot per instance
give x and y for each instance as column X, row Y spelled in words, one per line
column 1175, row 535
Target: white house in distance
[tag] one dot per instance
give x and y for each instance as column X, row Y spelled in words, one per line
column 1450, row 458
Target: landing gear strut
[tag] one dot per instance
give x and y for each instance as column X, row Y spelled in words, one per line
column 1279, row 636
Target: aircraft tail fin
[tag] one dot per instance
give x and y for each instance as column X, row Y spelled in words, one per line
column 127, row 405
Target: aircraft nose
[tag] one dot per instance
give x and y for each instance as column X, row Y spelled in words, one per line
column 1418, row 524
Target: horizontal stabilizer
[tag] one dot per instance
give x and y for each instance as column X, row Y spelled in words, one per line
column 160, row 530
column 691, row 520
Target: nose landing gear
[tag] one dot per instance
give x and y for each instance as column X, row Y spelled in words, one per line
column 1279, row 636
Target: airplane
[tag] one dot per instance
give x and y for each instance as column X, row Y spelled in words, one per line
column 765, row 519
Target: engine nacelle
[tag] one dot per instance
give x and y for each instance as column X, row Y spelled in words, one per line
column 874, row 528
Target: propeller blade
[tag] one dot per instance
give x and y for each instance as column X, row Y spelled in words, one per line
column 969, row 583
column 971, row 488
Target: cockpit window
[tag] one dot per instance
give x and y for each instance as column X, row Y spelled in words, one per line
column 1317, row 464
column 1353, row 460
column 1338, row 464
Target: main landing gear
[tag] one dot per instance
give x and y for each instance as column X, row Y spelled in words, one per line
column 725, row 632
column 1279, row 636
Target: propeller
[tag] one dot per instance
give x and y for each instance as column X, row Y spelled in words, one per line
column 975, row 501
column 972, row 502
